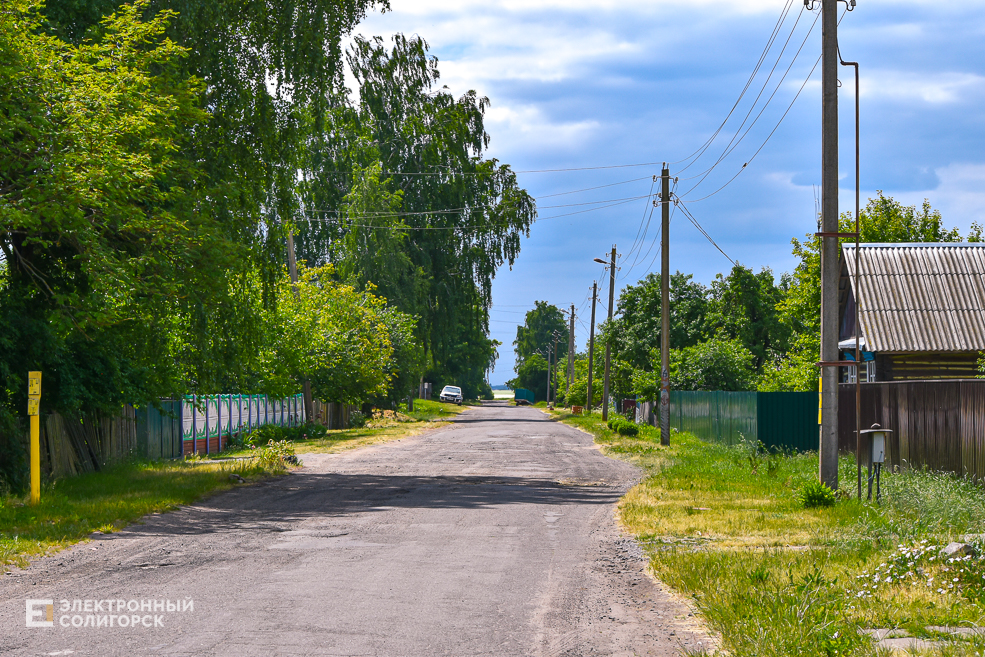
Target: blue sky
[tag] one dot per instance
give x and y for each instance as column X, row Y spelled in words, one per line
column 597, row 84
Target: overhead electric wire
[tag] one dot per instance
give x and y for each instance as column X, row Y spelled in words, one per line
column 687, row 213
column 769, row 45
column 736, row 138
column 768, row 137
column 588, row 189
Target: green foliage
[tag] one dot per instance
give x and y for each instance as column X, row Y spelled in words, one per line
column 815, row 494
column 357, row 420
column 532, row 375
column 623, row 427
column 635, row 331
column 416, row 210
column 333, row 335
column 274, row 456
column 267, row 432
column 538, row 330
column 744, row 308
column 717, row 364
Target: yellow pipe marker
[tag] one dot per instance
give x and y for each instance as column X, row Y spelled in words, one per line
column 33, row 404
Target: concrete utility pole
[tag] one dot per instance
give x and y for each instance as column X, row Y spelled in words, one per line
column 555, row 366
column 830, row 270
column 591, row 347
column 292, row 265
column 612, row 292
column 665, row 306
column 571, row 352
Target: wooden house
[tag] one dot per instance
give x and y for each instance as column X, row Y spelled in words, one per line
column 921, row 310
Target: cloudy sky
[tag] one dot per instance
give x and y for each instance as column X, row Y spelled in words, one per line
column 600, row 85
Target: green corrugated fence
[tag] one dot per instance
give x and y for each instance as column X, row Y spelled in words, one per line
column 786, row 420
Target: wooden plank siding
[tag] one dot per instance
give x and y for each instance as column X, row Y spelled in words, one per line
column 936, row 424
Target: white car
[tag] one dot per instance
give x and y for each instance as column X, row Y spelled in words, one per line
column 451, row 394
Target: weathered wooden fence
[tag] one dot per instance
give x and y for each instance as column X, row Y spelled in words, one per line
column 938, row 424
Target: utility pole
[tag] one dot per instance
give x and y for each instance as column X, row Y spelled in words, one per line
column 571, row 353
column 548, row 374
column 665, row 306
column 830, row 270
column 612, row 291
column 292, row 265
column 591, row 346
column 555, row 366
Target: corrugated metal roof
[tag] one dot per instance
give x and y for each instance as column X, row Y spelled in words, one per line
column 920, row 297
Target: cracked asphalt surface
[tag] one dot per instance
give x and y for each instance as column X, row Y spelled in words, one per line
column 493, row 536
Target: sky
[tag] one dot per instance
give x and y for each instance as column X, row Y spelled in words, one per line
column 600, row 85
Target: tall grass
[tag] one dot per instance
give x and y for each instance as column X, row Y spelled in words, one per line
column 723, row 525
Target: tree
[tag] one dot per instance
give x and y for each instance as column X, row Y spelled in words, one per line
column 339, row 338
column 744, row 308
column 718, row 364
column 460, row 216
column 635, row 331
column 536, row 334
column 531, row 375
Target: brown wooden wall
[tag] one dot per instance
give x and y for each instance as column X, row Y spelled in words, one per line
column 923, row 366
column 937, row 424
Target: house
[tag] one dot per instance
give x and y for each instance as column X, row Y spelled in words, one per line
column 921, row 310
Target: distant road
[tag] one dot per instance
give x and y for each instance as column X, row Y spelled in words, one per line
column 495, row 536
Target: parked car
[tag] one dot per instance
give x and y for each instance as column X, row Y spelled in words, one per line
column 451, row 394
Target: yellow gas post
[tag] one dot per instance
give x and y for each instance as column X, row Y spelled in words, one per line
column 33, row 404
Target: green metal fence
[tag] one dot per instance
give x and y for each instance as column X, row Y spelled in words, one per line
column 523, row 393
column 786, row 420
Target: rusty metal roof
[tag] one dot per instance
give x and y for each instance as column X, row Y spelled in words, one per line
column 920, row 297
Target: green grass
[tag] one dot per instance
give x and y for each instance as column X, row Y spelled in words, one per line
column 73, row 508
column 723, row 525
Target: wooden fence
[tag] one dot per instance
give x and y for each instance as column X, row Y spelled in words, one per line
column 936, row 424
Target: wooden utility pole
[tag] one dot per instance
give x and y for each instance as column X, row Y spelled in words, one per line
column 665, row 306
column 591, row 346
column 292, row 265
column 571, row 352
column 830, row 270
column 608, row 349
column 556, row 336
column 548, row 374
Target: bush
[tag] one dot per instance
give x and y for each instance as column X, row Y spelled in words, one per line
column 267, row 432
column 815, row 494
column 357, row 420
column 276, row 455
column 623, row 427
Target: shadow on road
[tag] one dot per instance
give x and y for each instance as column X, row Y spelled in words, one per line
column 307, row 495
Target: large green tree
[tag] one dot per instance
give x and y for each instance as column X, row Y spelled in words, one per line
column 400, row 197
column 536, row 334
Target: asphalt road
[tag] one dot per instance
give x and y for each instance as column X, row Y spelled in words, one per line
column 493, row 536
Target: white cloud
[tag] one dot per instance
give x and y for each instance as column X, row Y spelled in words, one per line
column 528, row 127
column 934, row 88
column 960, row 195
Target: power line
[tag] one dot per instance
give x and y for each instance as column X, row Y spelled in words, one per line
column 752, row 76
column 736, row 138
column 588, row 189
column 768, row 137
column 694, row 221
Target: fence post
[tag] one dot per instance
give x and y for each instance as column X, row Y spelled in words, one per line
column 194, row 424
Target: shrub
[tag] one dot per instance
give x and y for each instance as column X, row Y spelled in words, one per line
column 623, row 427
column 815, row 494
column 357, row 420
column 275, row 455
column 267, row 432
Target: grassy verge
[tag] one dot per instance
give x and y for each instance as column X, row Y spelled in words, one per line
column 724, row 525
column 73, row 508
